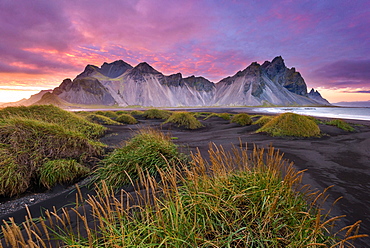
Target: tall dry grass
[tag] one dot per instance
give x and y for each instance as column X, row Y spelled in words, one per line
column 239, row 198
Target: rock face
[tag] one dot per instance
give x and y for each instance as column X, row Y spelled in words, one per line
column 119, row 83
column 315, row 95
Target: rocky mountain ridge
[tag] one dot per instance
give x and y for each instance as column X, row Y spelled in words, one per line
column 119, row 83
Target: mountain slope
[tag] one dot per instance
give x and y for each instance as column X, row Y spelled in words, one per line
column 119, row 83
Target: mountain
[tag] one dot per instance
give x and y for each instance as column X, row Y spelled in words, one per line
column 315, row 95
column 119, row 83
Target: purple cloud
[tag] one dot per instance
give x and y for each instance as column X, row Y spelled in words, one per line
column 327, row 41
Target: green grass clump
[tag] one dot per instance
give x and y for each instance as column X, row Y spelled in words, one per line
column 52, row 114
column 225, row 116
column 14, row 178
column 184, row 119
column 263, row 120
column 242, row 119
column 239, row 199
column 127, row 119
column 28, row 139
column 148, row 149
column 110, row 114
column 136, row 112
column 119, row 112
column 156, row 114
column 101, row 119
column 53, row 172
column 341, row 124
column 201, row 114
column 289, row 124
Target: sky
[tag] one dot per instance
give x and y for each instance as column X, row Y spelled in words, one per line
column 43, row 42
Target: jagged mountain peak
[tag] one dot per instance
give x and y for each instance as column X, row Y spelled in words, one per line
column 111, row 70
column 269, row 83
column 144, row 67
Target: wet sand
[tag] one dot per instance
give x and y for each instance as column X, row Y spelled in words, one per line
column 339, row 158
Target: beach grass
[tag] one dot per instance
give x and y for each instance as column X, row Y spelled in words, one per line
column 136, row 112
column 126, row 119
column 291, row 125
column 58, row 171
column 340, row 124
column 148, row 149
column 101, row 119
column 225, row 116
column 184, row 119
column 263, row 120
column 240, row 198
column 108, row 113
column 242, row 119
column 52, row 114
column 156, row 114
column 37, row 134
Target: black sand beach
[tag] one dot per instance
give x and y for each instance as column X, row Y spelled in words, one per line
column 338, row 158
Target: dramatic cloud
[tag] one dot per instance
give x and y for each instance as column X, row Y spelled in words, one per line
column 346, row 73
column 327, row 41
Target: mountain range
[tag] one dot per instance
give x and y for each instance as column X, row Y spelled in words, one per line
column 119, row 83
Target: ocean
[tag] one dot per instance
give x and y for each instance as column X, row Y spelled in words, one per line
column 331, row 112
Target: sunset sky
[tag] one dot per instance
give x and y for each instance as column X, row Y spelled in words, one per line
column 44, row 41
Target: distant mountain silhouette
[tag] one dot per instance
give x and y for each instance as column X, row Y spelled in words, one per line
column 118, row 83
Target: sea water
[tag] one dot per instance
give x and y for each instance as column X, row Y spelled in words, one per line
column 330, row 112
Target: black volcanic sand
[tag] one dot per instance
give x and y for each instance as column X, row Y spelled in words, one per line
column 338, row 158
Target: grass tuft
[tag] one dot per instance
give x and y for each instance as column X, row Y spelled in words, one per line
column 242, row 119
column 36, row 134
column 110, row 114
column 126, row 119
column 156, row 114
column 184, row 119
column 136, row 112
column 101, row 119
column 53, row 114
column 148, row 149
column 341, row 124
column 263, row 120
column 58, row 171
column 290, row 124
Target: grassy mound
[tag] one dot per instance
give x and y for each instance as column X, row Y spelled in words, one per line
column 119, row 112
column 263, row 120
column 341, row 124
column 27, row 143
column 156, row 114
column 242, row 119
column 136, row 112
column 110, row 114
column 289, row 124
column 184, row 119
column 102, row 119
column 225, row 116
column 147, row 150
column 127, row 119
column 60, row 171
column 241, row 199
column 52, row 114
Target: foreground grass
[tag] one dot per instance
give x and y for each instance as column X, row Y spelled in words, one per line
column 239, row 199
column 31, row 137
column 148, row 150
